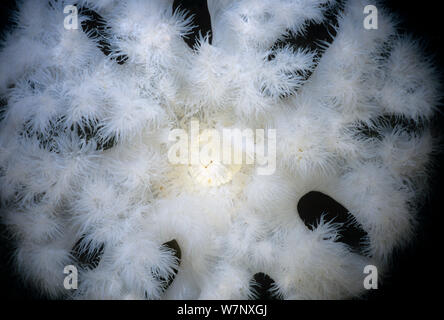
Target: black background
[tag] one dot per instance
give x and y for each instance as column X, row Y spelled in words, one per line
column 416, row 271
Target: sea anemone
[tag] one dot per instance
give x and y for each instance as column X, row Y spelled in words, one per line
column 89, row 118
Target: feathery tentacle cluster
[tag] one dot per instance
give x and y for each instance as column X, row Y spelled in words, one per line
column 84, row 147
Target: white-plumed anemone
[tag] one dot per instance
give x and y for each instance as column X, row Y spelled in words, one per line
column 84, row 147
